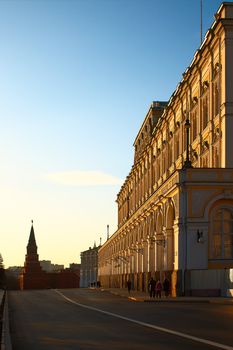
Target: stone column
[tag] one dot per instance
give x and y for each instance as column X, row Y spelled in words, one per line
column 143, row 183
column 170, row 249
column 152, row 254
column 139, row 186
column 211, row 114
column 137, row 259
column 147, row 255
column 149, row 173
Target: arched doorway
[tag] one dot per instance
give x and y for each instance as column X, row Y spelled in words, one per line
column 159, row 245
column 169, row 236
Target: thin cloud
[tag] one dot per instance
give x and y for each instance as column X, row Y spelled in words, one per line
column 83, row 178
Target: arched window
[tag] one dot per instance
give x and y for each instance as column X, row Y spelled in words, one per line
column 221, row 240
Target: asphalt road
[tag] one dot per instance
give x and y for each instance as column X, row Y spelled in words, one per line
column 89, row 319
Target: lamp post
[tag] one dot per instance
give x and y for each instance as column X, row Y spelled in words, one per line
column 187, row 163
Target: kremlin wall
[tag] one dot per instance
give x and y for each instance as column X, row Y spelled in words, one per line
column 33, row 277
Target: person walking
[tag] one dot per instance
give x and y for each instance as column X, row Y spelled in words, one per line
column 152, row 284
column 128, row 286
column 166, row 287
column 158, row 289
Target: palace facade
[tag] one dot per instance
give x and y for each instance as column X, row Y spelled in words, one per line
column 175, row 208
column 89, row 267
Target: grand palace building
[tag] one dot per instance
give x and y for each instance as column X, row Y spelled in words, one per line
column 175, row 207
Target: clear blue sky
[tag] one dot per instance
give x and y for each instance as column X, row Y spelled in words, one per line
column 76, row 81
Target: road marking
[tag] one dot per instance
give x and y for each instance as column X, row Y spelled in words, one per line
column 161, row 329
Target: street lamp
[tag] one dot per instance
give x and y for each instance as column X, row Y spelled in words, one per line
column 187, row 163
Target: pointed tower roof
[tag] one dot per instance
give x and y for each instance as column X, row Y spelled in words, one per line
column 32, row 247
column 32, row 240
column 32, row 277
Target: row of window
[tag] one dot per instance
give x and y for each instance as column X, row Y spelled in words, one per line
column 220, row 235
column 151, row 176
column 205, row 110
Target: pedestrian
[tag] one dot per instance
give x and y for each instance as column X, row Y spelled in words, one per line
column 128, row 286
column 166, row 287
column 158, row 289
column 152, row 284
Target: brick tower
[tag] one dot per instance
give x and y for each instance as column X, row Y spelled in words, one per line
column 32, row 276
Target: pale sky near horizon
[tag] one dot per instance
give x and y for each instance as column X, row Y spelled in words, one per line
column 76, row 81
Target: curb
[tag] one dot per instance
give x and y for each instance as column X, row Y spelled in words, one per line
column 221, row 301
column 6, row 339
column 207, row 301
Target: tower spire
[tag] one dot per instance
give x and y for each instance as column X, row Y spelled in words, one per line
column 32, row 276
column 32, row 240
column 32, row 247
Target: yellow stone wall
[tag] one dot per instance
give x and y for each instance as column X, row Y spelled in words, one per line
column 161, row 206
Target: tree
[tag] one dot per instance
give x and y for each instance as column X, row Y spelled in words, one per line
column 1, row 262
column 2, row 273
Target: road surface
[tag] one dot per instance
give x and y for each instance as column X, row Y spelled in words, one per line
column 89, row 319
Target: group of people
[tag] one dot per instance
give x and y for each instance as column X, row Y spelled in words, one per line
column 156, row 287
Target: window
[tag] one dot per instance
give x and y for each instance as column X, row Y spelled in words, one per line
column 158, row 168
column 164, row 161
column 205, row 161
column 177, row 146
column 170, row 158
column 205, row 111
column 221, row 240
column 216, row 98
column 194, row 125
column 216, row 160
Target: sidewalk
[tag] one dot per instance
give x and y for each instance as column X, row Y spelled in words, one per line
column 144, row 297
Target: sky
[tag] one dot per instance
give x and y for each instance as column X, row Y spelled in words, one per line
column 77, row 78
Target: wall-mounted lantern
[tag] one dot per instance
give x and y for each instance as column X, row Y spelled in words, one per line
column 206, row 144
column 200, row 237
column 195, row 100
column 136, row 250
column 158, row 241
column 121, row 258
column 195, row 154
